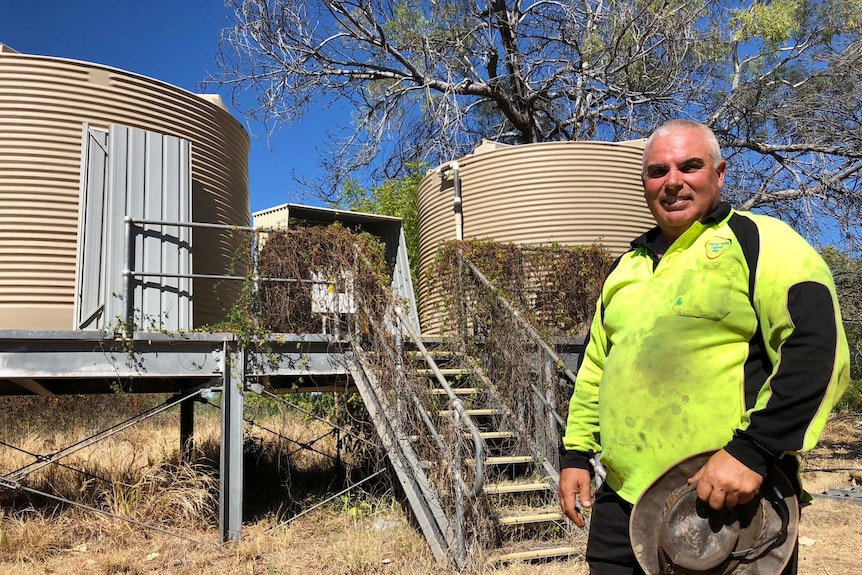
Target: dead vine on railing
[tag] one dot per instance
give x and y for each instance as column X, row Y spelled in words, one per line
column 342, row 288
column 553, row 287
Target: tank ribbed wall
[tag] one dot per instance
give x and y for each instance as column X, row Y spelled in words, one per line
column 44, row 103
column 564, row 192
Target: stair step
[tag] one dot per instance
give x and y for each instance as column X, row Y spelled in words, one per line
column 472, row 412
column 529, row 519
column 507, row 459
column 482, row 434
column 432, row 337
column 501, row 488
column 535, row 554
column 432, row 353
column 457, row 390
column 444, row 371
column 497, row 434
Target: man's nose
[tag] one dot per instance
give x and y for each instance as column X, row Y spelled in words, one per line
column 673, row 181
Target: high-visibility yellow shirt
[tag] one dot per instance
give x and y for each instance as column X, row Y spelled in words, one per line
column 733, row 339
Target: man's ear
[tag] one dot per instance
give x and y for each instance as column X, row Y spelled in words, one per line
column 721, row 169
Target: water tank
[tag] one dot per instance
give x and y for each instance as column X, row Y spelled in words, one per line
column 44, row 102
column 556, row 192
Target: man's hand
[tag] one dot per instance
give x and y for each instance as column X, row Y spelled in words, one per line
column 724, row 481
column 574, row 485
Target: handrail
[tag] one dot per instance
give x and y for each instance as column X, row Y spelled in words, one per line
column 191, row 224
column 129, row 274
column 517, row 315
column 600, row 471
column 451, row 460
column 430, row 515
column 457, row 405
column 553, row 410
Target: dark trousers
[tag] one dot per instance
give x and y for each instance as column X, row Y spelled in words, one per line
column 609, row 549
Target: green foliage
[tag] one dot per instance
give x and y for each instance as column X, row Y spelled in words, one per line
column 847, row 272
column 258, row 407
column 851, row 401
column 321, row 404
column 407, row 23
column 397, row 198
column 774, row 22
column 239, row 317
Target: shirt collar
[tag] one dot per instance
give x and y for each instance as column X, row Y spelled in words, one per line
column 721, row 211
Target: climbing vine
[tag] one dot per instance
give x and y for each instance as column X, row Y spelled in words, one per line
column 326, row 261
column 555, row 287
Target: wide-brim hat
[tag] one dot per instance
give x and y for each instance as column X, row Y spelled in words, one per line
column 672, row 532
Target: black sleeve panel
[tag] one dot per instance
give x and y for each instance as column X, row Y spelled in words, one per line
column 583, row 350
column 757, row 366
column 805, row 365
column 748, row 235
column 576, row 459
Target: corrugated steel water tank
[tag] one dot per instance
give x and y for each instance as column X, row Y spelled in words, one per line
column 568, row 193
column 44, row 102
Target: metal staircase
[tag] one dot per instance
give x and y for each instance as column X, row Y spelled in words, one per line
column 481, row 483
column 474, row 446
column 518, row 495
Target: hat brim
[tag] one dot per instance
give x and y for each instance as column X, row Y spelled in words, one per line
column 648, row 510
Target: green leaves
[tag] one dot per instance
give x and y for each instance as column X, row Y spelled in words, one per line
column 394, row 197
column 774, row 23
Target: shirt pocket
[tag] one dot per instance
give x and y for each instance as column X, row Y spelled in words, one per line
column 706, row 292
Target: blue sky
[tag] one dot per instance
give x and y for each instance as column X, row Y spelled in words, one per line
column 174, row 41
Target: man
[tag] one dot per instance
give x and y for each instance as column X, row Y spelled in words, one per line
column 718, row 330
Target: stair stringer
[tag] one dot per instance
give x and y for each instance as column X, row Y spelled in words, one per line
column 421, row 496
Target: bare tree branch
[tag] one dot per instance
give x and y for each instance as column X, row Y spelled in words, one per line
column 428, row 79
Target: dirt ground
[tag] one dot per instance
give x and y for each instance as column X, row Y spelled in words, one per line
column 380, row 539
column 831, row 531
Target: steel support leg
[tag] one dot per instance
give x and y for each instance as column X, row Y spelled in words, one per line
column 187, row 429
column 230, row 484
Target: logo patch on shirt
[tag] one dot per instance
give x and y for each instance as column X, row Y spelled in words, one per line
column 714, row 248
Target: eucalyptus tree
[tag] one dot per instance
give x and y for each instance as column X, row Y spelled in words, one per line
column 778, row 81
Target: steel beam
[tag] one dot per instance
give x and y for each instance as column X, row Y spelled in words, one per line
column 34, row 355
column 231, row 464
column 187, row 429
column 32, row 386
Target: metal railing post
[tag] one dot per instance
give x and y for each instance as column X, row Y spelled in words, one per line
column 255, row 278
column 128, row 283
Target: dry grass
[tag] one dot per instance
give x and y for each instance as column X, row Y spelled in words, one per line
column 359, row 534
column 831, row 531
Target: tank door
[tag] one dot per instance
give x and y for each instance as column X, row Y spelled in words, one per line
column 145, row 175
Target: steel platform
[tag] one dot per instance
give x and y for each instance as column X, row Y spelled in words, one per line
column 49, row 363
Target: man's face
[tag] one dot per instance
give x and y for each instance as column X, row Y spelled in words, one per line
column 680, row 181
